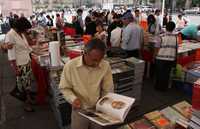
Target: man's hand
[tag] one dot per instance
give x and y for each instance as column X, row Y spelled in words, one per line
column 15, row 68
column 17, row 71
column 9, row 45
column 76, row 104
column 6, row 46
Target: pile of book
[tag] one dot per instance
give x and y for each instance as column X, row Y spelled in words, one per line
column 186, row 47
column 128, row 76
column 195, row 119
column 193, row 72
column 174, row 117
column 60, row 107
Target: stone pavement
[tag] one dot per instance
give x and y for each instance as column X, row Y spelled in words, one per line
column 12, row 114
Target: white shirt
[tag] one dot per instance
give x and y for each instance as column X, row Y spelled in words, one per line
column 158, row 24
column 180, row 23
column 21, row 49
column 132, row 37
column 115, row 38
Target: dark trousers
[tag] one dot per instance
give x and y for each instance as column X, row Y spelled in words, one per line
column 133, row 53
column 162, row 74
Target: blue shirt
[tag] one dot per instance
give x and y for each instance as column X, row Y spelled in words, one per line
column 132, row 37
column 190, row 31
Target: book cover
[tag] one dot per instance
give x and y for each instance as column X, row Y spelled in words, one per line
column 141, row 124
column 184, row 108
column 172, row 114
column 158, row 120
column 180, row 124
column 124, row 127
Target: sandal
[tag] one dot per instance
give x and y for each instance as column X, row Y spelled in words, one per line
column 29, row 109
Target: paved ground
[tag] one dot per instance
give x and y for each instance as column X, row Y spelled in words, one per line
column 13, row 116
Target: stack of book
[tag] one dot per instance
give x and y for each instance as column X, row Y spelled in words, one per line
column 195, row 120
column 139, row 66
column 193, row 74
column 60, row 107
column 175, row 117
column 128, row 76
column 196, row 95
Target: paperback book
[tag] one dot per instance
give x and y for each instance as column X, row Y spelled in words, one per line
column 158, row 120
column 142, row 124
column 184, row 108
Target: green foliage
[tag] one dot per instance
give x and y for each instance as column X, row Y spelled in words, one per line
column 180, row 3
column 195, row 3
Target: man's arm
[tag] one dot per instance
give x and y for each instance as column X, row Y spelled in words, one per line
column 65, row 85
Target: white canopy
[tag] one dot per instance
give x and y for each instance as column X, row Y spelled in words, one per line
column 16, row 6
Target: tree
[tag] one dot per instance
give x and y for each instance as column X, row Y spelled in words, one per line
column 195, row 3
column 135, row 3
column 158, row 4
column 188, row 4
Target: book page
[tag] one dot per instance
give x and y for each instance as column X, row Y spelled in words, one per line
column 99, row 118
column 115, row 105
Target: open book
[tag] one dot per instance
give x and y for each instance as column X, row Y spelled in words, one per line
column 110, row 109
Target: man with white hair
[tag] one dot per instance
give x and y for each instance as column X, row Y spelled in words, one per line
column 132, row 36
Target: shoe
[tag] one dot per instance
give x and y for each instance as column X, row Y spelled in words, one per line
column 29, row 109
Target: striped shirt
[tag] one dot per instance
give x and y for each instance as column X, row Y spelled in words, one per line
column 168, row 46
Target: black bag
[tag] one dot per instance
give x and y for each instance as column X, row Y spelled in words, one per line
column 116, row 52
column 18, row 94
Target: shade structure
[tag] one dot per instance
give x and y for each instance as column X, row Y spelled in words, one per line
column 16, row 6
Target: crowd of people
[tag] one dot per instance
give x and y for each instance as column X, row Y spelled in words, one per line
column 87, row 78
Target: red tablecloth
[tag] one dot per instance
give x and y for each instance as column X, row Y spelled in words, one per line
column 42, row 81
column 196, row 97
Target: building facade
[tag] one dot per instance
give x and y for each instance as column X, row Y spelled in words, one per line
column 16, row 6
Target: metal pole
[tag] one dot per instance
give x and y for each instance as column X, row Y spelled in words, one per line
column 163, row 11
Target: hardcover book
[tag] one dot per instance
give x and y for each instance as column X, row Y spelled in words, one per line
column 142, row 124
column 110, row 109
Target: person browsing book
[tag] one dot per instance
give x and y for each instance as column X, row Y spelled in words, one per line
column 165, row 55
column 85, row 80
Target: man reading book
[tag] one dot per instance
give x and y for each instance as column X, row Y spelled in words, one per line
column 85, row 80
